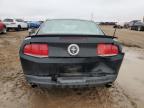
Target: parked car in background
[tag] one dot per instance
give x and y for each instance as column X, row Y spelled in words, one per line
column 70, row 53
column 2, row 27
column 131, row 23
column 16, row 24
column 33, row 24
column 138, row 26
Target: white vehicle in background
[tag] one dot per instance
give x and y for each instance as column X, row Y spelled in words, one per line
column 16, row 24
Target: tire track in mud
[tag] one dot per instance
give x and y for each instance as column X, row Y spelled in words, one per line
column 89, row 93
column 131, row 100
column 86, row 97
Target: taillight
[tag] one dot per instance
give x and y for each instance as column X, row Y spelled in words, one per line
column 107, row 50
column 36, row 50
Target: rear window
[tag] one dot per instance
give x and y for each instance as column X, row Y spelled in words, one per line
column 8, row 20
column 19, row 20
column 70, row 27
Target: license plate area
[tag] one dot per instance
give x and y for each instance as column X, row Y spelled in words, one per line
column 71, row 80
column 77, row 70
column 72, row 69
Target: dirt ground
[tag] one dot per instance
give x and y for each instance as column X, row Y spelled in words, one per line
column 127, row 91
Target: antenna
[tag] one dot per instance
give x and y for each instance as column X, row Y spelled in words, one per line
column 114, row 33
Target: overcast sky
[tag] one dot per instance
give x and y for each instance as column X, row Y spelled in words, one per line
column 103, row 10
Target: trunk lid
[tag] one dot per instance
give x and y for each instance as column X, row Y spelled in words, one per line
column 58, row 45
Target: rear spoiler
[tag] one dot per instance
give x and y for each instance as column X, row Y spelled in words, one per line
column 71, row 35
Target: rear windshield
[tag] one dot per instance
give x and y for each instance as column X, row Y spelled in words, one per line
column 8, row 20
column 70, row 27
column 19, row 20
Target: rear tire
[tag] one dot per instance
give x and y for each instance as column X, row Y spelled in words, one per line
column 18, row 28
column 8, row 29
column 139, row 29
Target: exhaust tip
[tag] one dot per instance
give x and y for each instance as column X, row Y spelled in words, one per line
column 33, row 85
column 108, row 85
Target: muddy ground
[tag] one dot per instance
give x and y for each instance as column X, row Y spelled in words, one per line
column 127, row 91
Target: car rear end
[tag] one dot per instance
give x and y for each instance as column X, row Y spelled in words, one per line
column 2, row 27
column 10, row 23
column 46, row 60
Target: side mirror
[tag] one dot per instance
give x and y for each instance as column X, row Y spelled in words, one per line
column 32, row 31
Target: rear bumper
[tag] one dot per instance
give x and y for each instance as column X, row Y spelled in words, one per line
column 12, row 26
column 71, row 82
column 72, row 72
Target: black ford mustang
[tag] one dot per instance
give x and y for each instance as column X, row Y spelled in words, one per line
column 73, row 53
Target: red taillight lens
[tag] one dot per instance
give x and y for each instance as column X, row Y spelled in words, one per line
column 107, row 50
column 37, row 50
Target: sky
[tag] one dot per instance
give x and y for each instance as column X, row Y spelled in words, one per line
column 97, row 10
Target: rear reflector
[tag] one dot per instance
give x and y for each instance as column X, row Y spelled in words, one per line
column 36, row 50
column 107, row 50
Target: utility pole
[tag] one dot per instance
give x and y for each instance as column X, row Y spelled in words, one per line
column 143, row 18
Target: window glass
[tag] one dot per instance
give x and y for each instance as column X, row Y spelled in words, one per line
column 70, row 27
